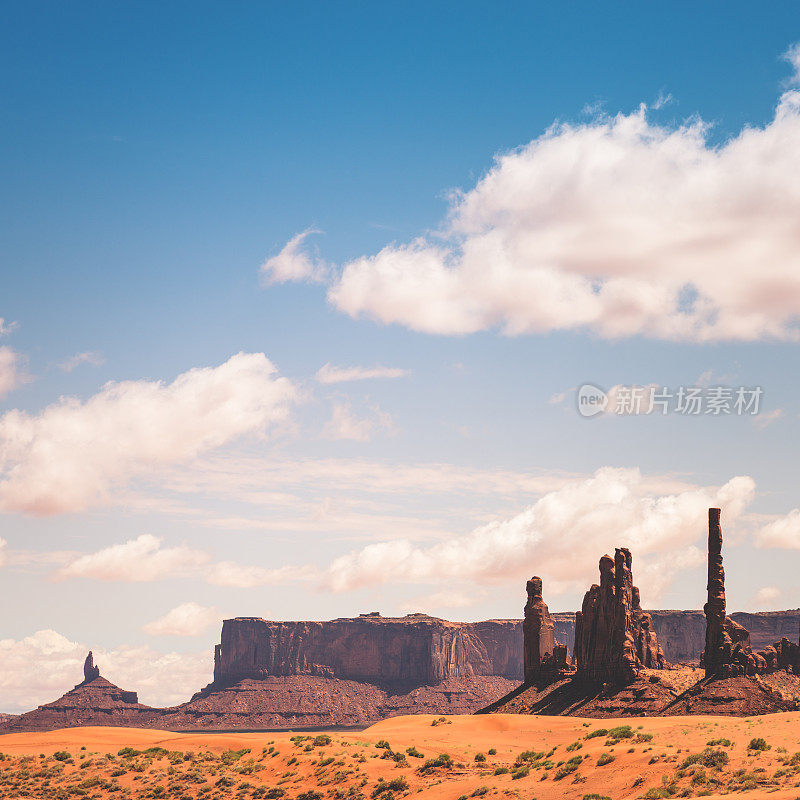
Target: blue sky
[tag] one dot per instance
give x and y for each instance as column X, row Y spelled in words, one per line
column 153, row 159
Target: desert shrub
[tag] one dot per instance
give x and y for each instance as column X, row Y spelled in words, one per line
column 383, row 745
column 643, row 737
column 502, row 771
column 232, row 756
column 441, row 721
column 480, row 791
column 715, row 759
column 529, row 755
column 324, row 762
column 224, row 782
column 443, row 761
column 656, row 793
column 394, row 785
column 758, row 744
column 720, row 743
column 567, row 767
column 594, row 796
column 62, row 755
column 574, row 746
column 480, row 757
column 274, row 793
column 520, row 772
column 605, row 758
column 492, row 751
column 155, row 752
column 310, row 795
column 413, row 752
column 323, row 740
column 594, row 734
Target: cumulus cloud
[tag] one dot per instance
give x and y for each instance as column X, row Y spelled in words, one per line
column 560, row 536
column 88, row 357
column 345, row 424
column 782, row 532
column 294, row 263
column 445, row 599
column 145, row 559
column 620, row 226
column 139, row 560
column 12, row 370
column 73, row 453
column 766, row 596
column 187, row 619
column 41, row 667
column 331, row 374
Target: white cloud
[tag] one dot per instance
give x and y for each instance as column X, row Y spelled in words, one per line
column 782, row 532
column 41, row 667
column 332, row 374
column 561, row 536
column 12, row 370
column 766, row 596
column 344, row 424
column 137, row 560
column 3, row 551
column 293, row 263
column 144, row 559
column 187, row 619
column 6, row 327
column 74, row 453
column 88, row 357
column 619, row 226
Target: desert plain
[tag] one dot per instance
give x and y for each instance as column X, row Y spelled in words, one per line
column 503, row 755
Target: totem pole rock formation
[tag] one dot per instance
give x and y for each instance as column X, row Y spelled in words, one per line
column 543, row 658
column 614, row 638
column 90, row 671
column 728, row 652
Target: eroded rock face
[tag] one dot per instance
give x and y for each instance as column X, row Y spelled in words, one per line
column 416, row 649
column 539, row 631
column 95, row 701
column 614, row 638
column 90, row 671
column 728, row 653
column 545, row 659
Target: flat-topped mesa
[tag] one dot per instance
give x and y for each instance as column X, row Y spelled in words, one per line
column 544, row 659
column 728, row 652
column 614, row 638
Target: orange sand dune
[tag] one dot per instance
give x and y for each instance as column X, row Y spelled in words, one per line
column 655, row 757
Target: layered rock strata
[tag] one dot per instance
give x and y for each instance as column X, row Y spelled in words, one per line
column 544, row 659
column 614, row 638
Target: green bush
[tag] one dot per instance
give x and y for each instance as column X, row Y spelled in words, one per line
column 383, row 745
column 720, row 742
column 574, row 746
column 395, row 785
column 492, row 751
column 605, row 758
column 479, row 757
column 443, row 761
column 596, row 733
column 323, row 740
column 502, row 771
column 520, row 772
column 413, row 752
column 62, row 755
column 758, row 744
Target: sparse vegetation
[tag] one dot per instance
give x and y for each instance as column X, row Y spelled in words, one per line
column 759, row 744
column 604, row 758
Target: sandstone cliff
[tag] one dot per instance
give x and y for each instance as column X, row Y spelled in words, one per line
column 413, row 650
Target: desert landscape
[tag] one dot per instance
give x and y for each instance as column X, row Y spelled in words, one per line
column 438, row 757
